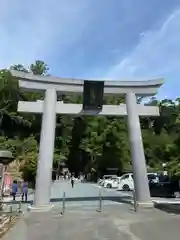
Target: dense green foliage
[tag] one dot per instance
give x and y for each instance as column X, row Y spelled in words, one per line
column 84, row 143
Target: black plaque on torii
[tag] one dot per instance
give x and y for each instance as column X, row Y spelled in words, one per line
column 93, row 94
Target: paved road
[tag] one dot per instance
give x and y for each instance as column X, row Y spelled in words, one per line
column 82, row 193
column 86, row 194
column 81, row 190
column 83, row 196
column 82, row 221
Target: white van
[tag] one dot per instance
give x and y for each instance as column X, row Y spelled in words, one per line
column 126, row 182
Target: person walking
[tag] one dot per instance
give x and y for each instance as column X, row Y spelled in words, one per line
column 72, row 181
column 14, row 190
column 24, row 190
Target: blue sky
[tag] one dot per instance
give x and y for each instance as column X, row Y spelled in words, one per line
column 99, row 39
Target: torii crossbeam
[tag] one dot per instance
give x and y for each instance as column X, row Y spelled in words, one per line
column 77, row 109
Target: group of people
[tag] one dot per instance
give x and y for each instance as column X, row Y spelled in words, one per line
column 24, row 190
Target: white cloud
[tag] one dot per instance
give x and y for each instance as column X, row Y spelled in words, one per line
column 156, row 55
column 30, row 30
column 51, row 29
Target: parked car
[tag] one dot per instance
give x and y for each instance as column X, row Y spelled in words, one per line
column 126, row 182
column 111, row 183
column 164, row 188
column 106, row 177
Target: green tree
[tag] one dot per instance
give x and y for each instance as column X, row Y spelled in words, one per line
column 39, row 68
column 18, row 67
column 84, row 143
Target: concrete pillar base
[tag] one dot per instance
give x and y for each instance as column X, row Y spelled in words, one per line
column 147, row 204
column 44, row 208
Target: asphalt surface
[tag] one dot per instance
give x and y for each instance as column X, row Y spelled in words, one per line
column 86, row 193
column 82, row 220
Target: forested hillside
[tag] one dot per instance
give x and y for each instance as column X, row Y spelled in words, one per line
column 84, row 143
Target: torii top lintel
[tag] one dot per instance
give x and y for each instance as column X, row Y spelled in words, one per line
column 28, row 81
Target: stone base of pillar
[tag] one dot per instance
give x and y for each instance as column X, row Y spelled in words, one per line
column 148, row 204
column 44, row 208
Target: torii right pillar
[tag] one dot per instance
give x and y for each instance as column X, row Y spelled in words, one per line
column 137, row 153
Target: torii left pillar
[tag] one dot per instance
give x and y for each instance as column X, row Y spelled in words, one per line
column 46, row 149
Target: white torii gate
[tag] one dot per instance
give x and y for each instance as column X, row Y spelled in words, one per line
column 50, row 107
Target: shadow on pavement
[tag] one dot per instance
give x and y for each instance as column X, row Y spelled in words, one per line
column 122, row 199
column 169, row 208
